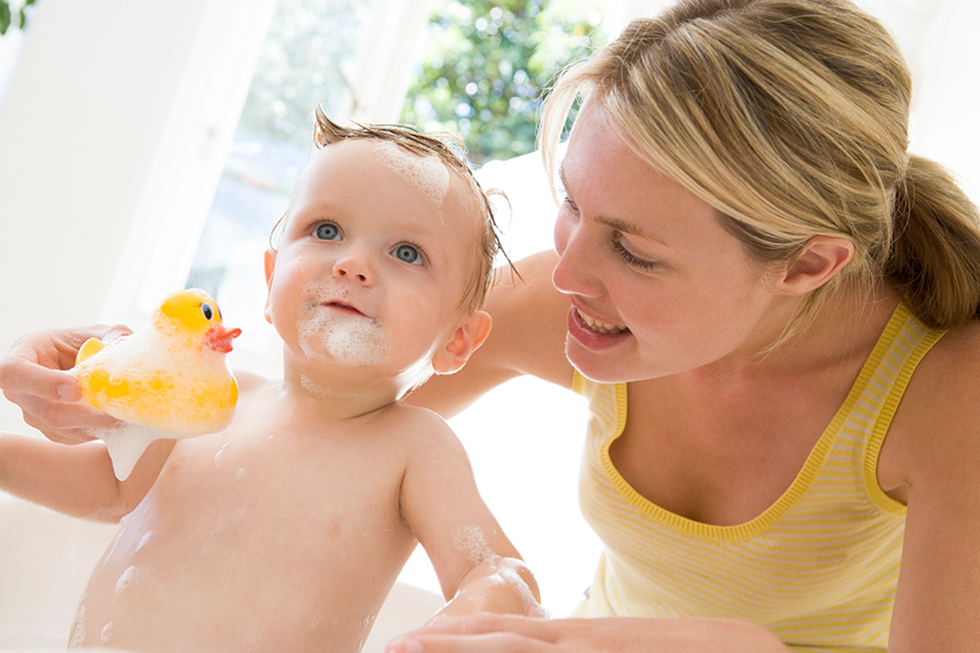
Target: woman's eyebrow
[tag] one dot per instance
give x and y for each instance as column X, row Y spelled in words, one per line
column 616, row 223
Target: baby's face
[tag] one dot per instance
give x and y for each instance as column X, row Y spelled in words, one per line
column 374, row 259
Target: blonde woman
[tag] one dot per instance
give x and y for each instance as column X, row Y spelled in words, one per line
column 772, row 309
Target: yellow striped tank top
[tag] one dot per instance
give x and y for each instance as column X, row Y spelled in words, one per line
column 818, row 569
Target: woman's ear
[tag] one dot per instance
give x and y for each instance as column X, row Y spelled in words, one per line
column 821, row 258
column 270, row 268
column 467, row 339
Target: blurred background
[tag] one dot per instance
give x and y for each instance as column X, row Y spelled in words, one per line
column 149, row 145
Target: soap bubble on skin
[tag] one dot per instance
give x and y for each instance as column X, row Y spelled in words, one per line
column 78, row 623
column 333, row 335
column 219, row 456
column 125, row 580
column 314, row 388
column 106, row 633
column 143, row 541
column 314, row 621
column 472, row 542
column 428, row 174
column 238, row 515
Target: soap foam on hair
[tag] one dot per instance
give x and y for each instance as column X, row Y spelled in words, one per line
column 428, row 174
column 331, row 335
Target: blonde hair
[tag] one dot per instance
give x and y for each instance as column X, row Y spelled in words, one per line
column 790, row 118
column 450, row 150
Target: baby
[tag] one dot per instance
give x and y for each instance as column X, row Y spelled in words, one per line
column 285, row 531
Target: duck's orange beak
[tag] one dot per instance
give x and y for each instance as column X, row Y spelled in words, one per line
column 219, row 338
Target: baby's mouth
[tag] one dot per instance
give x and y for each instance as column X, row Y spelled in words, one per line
column 347, row 308
column 601, row 327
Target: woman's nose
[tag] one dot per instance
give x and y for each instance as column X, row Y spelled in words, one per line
column 575, row 272
column 354, row 267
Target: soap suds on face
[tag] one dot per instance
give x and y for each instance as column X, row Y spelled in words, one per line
column 428, row 174
column 329, row 333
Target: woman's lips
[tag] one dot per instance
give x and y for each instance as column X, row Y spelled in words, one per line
column 593, row 334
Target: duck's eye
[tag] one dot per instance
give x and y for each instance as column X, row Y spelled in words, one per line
column 208, row 313
column 327, row 231
column 408, row 254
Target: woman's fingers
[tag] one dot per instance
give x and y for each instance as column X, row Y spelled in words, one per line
column 62, row 422
column 489, row 643
column 479, row 632
column 32, row 376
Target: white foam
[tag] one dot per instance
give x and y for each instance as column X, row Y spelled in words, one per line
column 219, row 456
column 428, row 174
column 126, row 579
column 143, row 541
column 314, row 621
column 472, row 542
column 78, row 624
column 126, row 444
column 331, row 335
column 106, row 633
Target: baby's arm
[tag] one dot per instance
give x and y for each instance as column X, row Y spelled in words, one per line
column 76, row 479
column 477, row 566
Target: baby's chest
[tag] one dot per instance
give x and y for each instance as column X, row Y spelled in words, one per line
column 246, row 488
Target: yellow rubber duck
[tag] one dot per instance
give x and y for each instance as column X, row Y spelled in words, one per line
column 168, row 380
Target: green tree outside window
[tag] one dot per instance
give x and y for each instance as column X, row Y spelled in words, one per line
column 488, row 64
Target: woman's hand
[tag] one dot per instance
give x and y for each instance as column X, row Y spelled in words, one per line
column 485, row 633
column 32, row 376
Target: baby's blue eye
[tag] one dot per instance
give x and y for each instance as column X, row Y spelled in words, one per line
column 408, row 254
column 327, row 231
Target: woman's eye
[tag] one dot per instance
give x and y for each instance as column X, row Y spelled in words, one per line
column 327, row 231
column 408, row 254
column 633, row 260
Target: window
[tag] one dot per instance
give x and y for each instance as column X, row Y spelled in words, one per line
column 307, row 58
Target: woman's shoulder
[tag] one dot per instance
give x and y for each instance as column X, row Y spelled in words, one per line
column 935, row 425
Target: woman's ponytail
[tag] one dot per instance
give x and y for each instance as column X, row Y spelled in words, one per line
column 935, row 256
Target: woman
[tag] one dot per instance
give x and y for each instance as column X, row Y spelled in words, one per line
column 750, row 268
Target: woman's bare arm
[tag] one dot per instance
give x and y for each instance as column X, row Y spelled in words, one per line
column 528, row 337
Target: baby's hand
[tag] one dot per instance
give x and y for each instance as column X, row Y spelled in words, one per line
column 32, row 376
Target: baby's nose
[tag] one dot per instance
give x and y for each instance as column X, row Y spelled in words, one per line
column 354, row 267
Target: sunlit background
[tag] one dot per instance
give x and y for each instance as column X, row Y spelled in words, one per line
column 150, row 145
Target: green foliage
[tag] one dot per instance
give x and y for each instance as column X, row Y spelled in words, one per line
column 6, row 16
column 308, row 45
column 488, row 64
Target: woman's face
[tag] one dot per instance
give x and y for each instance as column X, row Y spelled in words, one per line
column 658, row 285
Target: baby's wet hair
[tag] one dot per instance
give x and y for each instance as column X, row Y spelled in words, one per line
column 451, row 151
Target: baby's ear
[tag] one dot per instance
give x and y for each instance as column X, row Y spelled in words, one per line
column 270, row 267
column 466, row 340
